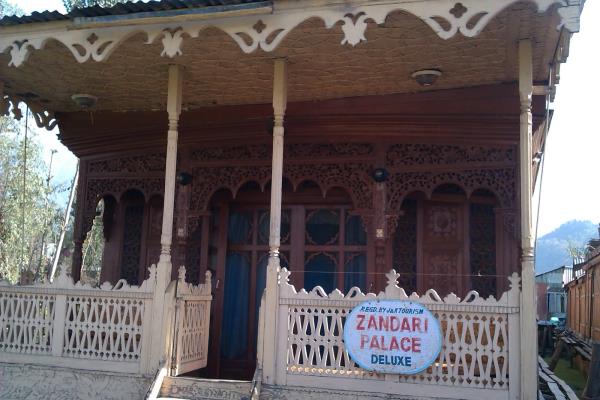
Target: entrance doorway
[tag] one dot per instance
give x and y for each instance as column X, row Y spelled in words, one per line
column 322, row 243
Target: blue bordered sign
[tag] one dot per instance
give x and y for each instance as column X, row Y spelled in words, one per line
column 392, row 336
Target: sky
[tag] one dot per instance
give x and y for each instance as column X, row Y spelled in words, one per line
column 572, row 155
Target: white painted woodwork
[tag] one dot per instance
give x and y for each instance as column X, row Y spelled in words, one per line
column 75, row 325
column 193, row 324
column 99, row 42
column 163, row 298
column 109, row 328
column 174, row 96
column 528, row 308
column 479, row 343
column 269, row 356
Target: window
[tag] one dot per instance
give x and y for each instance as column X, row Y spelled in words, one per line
column 335, row 249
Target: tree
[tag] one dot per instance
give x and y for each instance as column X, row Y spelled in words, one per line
column 29, row 213
column 71, row 4
column 577, row 251
column 7, row 8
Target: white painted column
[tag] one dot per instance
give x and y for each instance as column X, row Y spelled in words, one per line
column 161, row 302
column 528, row 311
column 269, row 358
column 174, row 110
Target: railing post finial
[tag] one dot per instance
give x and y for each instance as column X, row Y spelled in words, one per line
column 181, row 274
column 208, row 277
column 392, row 278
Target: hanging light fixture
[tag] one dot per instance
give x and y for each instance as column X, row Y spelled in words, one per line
column 426, row 77
column 85, row 101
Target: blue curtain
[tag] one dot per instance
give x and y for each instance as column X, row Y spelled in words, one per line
column 320, row 271
column 234, row 331
column 355, row 272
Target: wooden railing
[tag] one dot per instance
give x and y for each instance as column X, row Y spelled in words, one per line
column 479, row 356
column 192, row 323
column 106, row 328
column 76, row 325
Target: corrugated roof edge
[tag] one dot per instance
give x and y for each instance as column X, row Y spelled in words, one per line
column 131, row 7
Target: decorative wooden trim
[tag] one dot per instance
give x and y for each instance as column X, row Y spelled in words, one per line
column 266, row 31
column 499, row 181
column 43, row 118
column 351, row 176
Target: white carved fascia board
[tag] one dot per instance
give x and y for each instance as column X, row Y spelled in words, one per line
column 507, row 302
column 266, row 31
column 43, row 118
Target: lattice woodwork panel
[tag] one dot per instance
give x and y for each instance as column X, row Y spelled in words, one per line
column 127, row 165
column 474, row 351
column 405, row 246
column 483, row 248
column 315, row 342
column 195, row 326
column 132, row 243
column 352, row 176
column 500, row 181
column 103, row 328
column 193, row 323
column 407, row 155
column 26, row 322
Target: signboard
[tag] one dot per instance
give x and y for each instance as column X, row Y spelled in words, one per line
column 392, row 336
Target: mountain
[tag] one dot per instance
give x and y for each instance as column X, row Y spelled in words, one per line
column 551, row 249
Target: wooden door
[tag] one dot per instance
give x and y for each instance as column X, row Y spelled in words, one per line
column 242, row 271
column 322, row 243
column 443, row 247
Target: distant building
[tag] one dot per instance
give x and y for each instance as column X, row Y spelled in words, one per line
column 582, row 290
column 551, row 294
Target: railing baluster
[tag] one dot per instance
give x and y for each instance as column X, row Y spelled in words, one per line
column 58, row 327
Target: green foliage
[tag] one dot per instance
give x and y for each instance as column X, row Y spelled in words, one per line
column 572, row 376
column 29, row 215
column 93, row 247
column 71, row 4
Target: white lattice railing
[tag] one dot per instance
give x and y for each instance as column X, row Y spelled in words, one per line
column 193, row 323
column 479, row 357
column 76, row 325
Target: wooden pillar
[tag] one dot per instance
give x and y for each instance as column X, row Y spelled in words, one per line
column 173, row 109
column 528, row 310
column 160, row 303
column 269, row 357
column 78, row 223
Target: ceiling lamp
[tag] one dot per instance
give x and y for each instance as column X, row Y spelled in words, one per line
column 426, row 77
column 84, row 100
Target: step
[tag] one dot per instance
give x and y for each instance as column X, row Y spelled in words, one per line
column 204, row 389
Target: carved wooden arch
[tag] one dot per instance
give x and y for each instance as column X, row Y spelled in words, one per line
column 468, row 191
column 352, row 177
column 97, row 189
column 500, row 181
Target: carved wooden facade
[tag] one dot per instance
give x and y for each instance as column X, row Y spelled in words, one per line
column 444, row 216
column 412, row 168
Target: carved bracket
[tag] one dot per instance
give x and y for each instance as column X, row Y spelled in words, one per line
column 43, row 118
